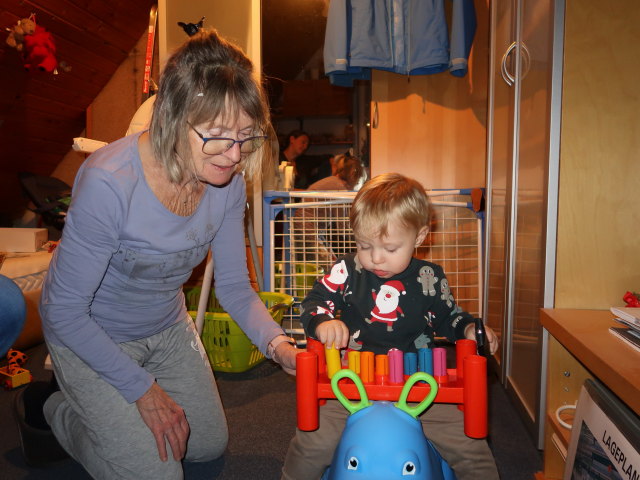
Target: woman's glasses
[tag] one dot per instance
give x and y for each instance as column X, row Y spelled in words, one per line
column 219, row 145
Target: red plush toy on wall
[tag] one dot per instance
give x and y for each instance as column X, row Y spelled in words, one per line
column 632, row 299
column 36, row 44
column 40, row 51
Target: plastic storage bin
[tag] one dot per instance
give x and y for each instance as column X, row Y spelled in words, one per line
column 227, row 346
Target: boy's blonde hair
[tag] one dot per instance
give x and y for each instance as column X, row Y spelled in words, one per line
column 387, row 197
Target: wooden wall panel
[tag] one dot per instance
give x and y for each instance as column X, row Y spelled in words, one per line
column 106, row 123
column 598, row 250
column 423, row 133
column 106, row 20
column 233, row 20
column 433, row 127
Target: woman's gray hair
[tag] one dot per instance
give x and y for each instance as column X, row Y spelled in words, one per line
column 204, row 79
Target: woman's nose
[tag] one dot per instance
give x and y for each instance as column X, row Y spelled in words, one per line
column 234, row 153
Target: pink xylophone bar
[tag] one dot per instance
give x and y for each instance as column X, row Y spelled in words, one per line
column 465, row 385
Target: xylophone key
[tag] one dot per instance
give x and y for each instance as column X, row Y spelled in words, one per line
column 396, row 366
column 367, row 371
column 410, row 364
column 353, row 358
column 425, row 360
column 382, row 370
column 333, row 360
column 440, row 365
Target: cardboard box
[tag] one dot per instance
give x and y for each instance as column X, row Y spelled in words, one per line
column 22, row 239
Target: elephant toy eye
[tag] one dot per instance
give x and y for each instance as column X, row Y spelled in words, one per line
column 409, row 468
column 352, row 464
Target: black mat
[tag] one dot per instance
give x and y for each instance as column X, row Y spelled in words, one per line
column 260, row 408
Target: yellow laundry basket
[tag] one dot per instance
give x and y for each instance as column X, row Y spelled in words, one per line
column 227, row 346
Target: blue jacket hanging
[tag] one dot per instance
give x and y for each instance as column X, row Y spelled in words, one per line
column 410, row 37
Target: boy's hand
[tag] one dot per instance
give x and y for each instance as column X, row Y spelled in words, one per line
column 492, row 338
column 333, row 332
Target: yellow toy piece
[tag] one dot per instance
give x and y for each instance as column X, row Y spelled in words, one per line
column 332, row 356
column 20, row 376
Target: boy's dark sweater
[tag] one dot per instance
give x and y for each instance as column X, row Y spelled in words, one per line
column 426, row 307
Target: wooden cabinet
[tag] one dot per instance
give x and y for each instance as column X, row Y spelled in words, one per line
column 565, row 378
column 598, row 218
column 561, row 209
column 581, row 347
column 431, row 127
column 521, row 190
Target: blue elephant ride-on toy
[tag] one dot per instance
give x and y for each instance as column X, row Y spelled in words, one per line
column 384, row 440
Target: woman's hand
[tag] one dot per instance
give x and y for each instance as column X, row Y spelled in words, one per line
column 285, row 356
column 166, row 420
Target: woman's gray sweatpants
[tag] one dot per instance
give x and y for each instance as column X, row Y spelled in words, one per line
column 107, row 435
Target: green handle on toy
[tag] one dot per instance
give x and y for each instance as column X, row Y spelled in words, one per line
column 422, row 406
column 351, row 407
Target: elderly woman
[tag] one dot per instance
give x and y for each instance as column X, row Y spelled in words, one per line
column 137, row 394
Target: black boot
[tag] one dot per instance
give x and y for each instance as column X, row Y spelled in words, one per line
column 38, row 443
column 33, row 398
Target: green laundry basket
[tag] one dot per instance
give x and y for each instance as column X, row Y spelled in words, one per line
column 304, row 275
column 227, row 346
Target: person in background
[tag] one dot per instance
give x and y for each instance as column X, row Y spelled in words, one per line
column 382, row 297
column 347, row 173
column 137, row 394
column 297, row 144
column 320, row 233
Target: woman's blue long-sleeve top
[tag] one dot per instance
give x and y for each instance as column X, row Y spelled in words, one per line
column 118, row 272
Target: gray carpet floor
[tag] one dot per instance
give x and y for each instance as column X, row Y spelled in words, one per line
column 260, row 408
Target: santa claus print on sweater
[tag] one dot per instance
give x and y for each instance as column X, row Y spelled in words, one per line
column 387, row 303
column 335, row 280
column 322, row 310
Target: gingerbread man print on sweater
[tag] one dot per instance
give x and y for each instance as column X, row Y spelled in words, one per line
column 427, row 278
column 446, row 292
column 354, row 342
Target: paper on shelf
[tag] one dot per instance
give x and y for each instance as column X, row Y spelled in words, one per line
column 630, row 338
column 630, row 314
column 632, row 325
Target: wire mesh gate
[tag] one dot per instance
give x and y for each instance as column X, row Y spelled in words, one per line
column 305, row 231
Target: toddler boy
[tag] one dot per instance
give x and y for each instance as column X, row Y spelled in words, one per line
column 379, row 298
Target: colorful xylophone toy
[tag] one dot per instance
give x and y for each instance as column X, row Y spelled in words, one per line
column 384, row 376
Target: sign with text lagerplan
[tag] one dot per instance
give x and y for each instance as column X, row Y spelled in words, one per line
column 605, row 438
